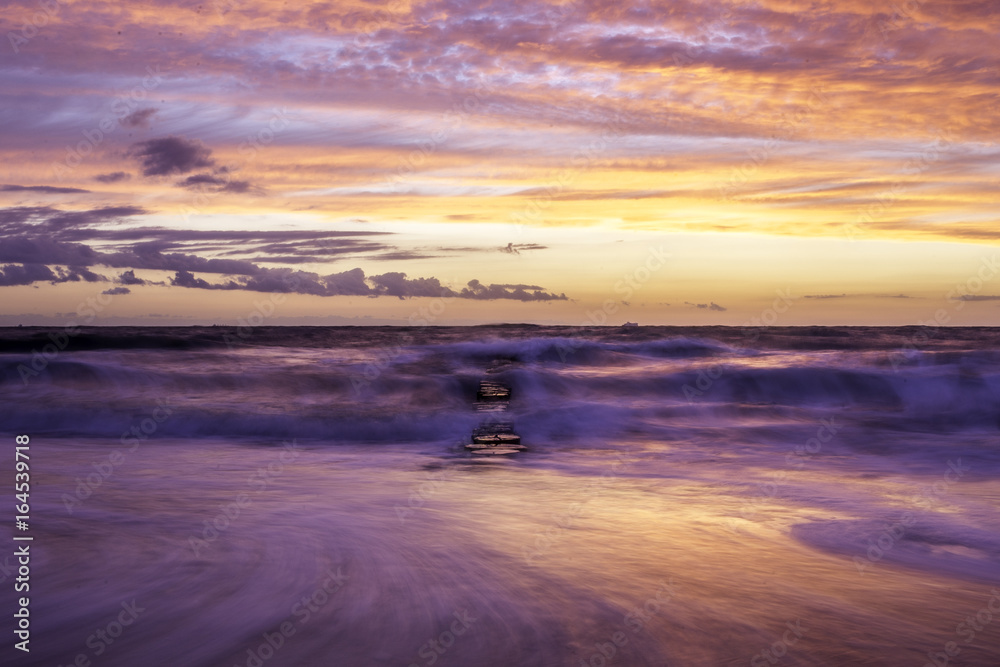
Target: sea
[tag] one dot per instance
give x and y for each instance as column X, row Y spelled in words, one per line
column 302, row 496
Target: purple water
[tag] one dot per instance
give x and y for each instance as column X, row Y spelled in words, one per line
column 690, row 496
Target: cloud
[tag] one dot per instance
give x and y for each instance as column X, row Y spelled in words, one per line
column 141, row 256
column 355, row 283
column 171, row 155
column 237, row 187
column 115, row 291
column 855, row 296
column 46, row 251
column 54, row 229
column 591, row 195
column 138, row 118
column 398, row 285
column 187, row 279
column 477, row 290
column 24, row 274
column 47, row 189
column 35, row 238
column 348, row 282
column 210, row 181
column 43, row 250
column 714, row 84
column 303, row 247
column 403, row 255
column 51, row 222
column 128, row 278
column 199, row 180
column 516, row 248
column 979, row 297
column 77, row 273
column 32, row 272
column 63, row 220
column 708, row 306
column 113, row 177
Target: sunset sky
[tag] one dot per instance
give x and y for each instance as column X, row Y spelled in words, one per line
column 473, row 162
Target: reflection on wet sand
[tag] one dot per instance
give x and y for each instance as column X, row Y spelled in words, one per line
column 568, row 558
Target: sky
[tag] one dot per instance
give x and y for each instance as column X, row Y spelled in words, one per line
column 442, row 162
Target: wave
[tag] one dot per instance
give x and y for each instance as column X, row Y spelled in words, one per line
column 924, row 541
column 378, row 385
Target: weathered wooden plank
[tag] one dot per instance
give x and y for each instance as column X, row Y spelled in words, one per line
column 494, row 436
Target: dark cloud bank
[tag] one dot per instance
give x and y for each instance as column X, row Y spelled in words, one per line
column 34, row 239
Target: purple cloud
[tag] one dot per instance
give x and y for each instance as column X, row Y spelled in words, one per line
column 171, row 155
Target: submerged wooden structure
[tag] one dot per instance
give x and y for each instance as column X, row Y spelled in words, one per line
column 495, row 435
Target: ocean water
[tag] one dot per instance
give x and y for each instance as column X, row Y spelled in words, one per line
column 689, row 496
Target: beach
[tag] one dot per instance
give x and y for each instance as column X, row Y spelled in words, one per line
column 689, row 496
